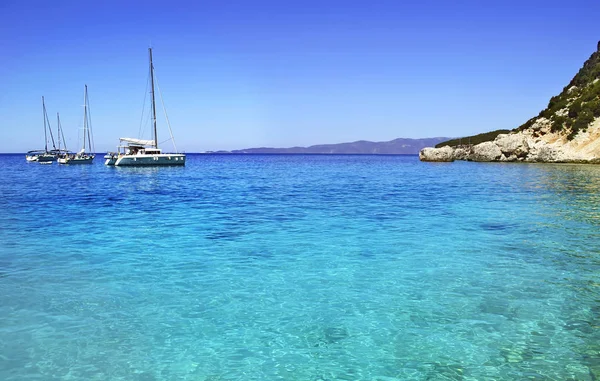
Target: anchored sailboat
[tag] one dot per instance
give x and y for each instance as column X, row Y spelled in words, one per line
column 45, row 155
column 85, row 155
column 140, row 152
column 62, row 152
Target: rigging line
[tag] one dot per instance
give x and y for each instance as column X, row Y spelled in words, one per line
column 165, row 111
column 89, row 115
column 166, row 140
column 58, row 119
column 144, row 105
column 61, row 133
column 84, row 118
column 50, row 129
column 45, row 129
column 79, row 137
column 142, row 133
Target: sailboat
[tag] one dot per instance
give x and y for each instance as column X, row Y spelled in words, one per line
column 140, row 152
column 62, row 152
column 45, row 155
column 83, row 156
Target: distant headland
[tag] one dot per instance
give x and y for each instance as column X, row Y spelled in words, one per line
column 398, row 146
column 566, row 131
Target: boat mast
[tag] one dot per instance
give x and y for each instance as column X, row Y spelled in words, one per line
column 84, row 116
column 45, row 133
column 58, row 121
column 153, row 101
column 88, row 128
column 60, row 134
column 47, row 122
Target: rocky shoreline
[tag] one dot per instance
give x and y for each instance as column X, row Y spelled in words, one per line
column 536, row 144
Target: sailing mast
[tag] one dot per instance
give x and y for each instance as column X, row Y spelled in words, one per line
column 84, row 116
column 47, row 122
column 153, row 101
column 60, row 134
column 58, row 122
column 89, row 122
column 45, row 133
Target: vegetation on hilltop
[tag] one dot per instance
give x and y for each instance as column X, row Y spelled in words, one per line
column 475, row 139
column 577, row 105
column 569, row 112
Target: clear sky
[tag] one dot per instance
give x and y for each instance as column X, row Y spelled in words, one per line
column 240, row 74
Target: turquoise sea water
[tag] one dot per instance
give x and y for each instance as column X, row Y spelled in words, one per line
column 299, row 268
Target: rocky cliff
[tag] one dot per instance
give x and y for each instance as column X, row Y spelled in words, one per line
column 567, row 131
column 536, row 144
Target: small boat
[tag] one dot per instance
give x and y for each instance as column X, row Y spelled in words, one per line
column 83, row 156
column 141, row 152
column 33, row 155
column 44, row 155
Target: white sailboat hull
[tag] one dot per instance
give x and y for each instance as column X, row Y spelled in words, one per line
column 147, row 160
column 77, row 160
column 82, row 160
column 46, row 158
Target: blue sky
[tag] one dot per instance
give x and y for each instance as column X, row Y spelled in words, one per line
column 239, row 74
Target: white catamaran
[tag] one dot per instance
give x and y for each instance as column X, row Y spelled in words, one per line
column 83, row 156
column 140, row 152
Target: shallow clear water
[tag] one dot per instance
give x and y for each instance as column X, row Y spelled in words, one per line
column 299, row 268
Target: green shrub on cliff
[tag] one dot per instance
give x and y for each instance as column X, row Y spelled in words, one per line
column 475, row 139
column 580, row 124
column 569, row 112
column 558, row 123
column 594, row 107
column 580, row 98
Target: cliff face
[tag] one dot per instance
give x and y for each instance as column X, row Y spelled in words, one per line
column 536, row 144
column 566, row 131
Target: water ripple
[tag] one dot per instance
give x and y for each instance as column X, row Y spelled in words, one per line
column 241, row 267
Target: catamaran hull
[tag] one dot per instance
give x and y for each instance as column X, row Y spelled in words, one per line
column 147, row 160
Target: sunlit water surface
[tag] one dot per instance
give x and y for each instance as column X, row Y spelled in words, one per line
column 299, row 268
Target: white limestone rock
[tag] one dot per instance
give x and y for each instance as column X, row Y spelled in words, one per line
column 486, row 151
column 461, row 153
column 544, row 153
column 443, row 154
column 512, row 146
column 537, row 144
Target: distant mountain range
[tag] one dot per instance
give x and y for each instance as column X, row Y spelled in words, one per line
column 397, row 146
